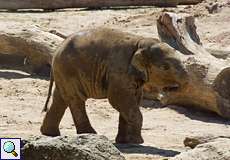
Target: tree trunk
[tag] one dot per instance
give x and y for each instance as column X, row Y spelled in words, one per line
column 209, row 86
column 60, row 4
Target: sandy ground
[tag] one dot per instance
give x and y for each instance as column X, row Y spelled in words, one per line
column 22, row 96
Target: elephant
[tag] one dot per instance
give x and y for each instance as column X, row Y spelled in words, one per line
column 108, row 63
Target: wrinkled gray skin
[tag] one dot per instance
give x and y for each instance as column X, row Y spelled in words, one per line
column 106, row 63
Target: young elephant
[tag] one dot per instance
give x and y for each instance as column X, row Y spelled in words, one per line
column 106, row 63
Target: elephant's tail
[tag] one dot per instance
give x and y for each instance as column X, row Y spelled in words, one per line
column 45, row 108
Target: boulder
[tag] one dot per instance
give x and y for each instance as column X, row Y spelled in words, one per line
column 192, row 142
column 79, row 147
column 217, row 149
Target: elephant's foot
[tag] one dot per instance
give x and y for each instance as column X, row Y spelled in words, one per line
column 136, row 139
column 85, row 129
column 132, row 139
column 50, row 131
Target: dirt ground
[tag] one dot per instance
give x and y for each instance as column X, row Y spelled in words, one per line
column 22, row 95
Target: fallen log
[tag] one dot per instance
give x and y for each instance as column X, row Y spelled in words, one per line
column 209, row 86
column 35, row 45
column 61, row 4
column 189, row 2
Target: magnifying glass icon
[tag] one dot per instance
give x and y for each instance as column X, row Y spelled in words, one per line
column 9, row 147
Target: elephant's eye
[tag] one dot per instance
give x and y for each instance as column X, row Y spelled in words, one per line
column 165, row 66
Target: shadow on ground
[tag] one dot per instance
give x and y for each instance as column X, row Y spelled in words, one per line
column 19, row 63
column 199, row 114
column 12, row 75
column 191, row 112
column 141, row 149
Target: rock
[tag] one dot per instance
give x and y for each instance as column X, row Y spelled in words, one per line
column 192, row 142
column 213, row 8
column 218, row 149
column 80, row 147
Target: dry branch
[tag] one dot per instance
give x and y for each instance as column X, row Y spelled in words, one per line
column 209, row 86
column 60, row 4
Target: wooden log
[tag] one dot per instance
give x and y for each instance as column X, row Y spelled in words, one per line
column 189, row 2
column 30, row 42
column 209, row 86
column 61, row 4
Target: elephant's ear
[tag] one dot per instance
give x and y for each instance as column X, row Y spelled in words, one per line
column 138, row 65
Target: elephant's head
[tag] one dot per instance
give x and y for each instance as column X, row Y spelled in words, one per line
column 160, row 66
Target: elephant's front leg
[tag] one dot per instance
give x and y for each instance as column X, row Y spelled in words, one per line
column 130, row 124
column 81, row 120
column 50, row 125
column 125, row 95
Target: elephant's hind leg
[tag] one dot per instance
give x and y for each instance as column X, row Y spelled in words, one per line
column 50, row 125
column 81, row 120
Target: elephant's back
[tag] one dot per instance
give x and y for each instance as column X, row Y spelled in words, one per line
column 103, row 40
column 105, row 45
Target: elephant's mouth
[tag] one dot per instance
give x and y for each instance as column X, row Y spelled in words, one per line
column 171, row 88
